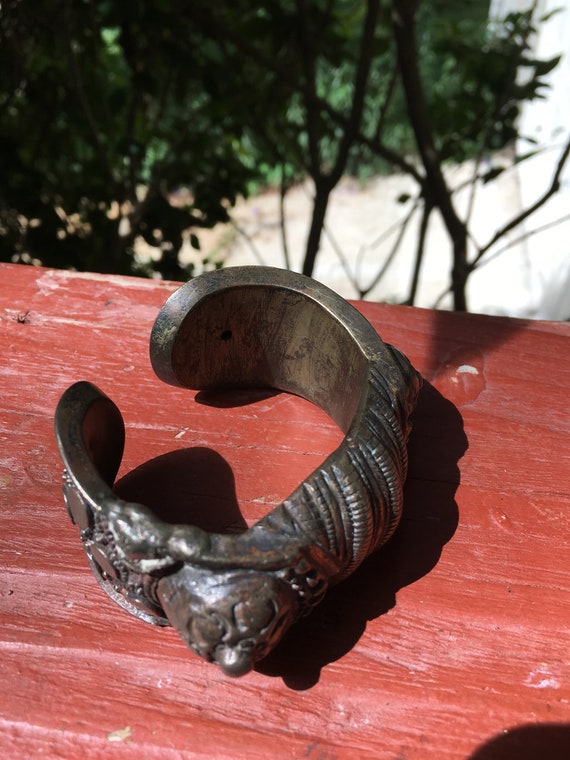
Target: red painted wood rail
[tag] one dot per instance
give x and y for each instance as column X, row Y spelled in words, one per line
column 451, row 642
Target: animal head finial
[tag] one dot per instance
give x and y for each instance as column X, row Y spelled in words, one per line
column 233, row 617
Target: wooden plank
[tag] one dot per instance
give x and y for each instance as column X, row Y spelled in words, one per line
column 451, row 642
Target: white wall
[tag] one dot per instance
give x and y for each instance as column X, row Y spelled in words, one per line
column 544, row 258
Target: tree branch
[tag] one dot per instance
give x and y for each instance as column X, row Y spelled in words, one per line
column 420, row 249
column 404, row 32
column 352, row 127
column 505, row 248
column 390, row 90
column 283, row 189
column 80, row 92
column 312, row 113
column 522, row 238
column 519, row 218
column 402, row 227
column 435, row 189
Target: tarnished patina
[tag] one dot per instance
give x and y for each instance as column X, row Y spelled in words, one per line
column 232, row 597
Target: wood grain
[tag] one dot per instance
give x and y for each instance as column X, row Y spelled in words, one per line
column 451, row 642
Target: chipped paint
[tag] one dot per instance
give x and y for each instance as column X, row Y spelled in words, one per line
column 467, row 369
column 120, row 734
column 542, row 678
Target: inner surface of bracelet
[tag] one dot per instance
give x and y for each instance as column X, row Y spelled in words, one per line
column 249, row 335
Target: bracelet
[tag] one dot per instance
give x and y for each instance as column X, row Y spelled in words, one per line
column 232, row 597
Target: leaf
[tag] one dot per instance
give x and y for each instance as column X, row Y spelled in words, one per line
column 120, row 734
column 493, row 172
column 541, row 68
column 524, row 156
column 549, row 15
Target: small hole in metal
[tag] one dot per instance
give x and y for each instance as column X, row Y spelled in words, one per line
column 226, row 335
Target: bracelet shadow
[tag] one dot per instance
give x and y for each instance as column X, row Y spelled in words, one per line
column 193, row 486
column 196, row 486
column 429, row 520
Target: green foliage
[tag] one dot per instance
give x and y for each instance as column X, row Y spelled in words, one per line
column 101, row 123
column 487, row 75
column 145, row 119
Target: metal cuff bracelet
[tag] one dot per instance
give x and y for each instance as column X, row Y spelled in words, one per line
column 232, row 597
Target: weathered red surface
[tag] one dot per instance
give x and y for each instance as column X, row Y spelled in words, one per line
column 451, row 642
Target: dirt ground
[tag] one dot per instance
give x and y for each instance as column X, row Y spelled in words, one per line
column 355, row 244
column 362, row 225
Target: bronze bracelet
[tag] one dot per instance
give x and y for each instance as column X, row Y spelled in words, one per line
column 232, row 597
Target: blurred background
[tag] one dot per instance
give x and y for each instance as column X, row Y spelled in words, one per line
column 405, row 151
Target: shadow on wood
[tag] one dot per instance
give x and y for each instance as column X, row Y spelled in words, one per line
column 429, row 521
column 197, row 486
column 193, row 486
column 533, row 742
